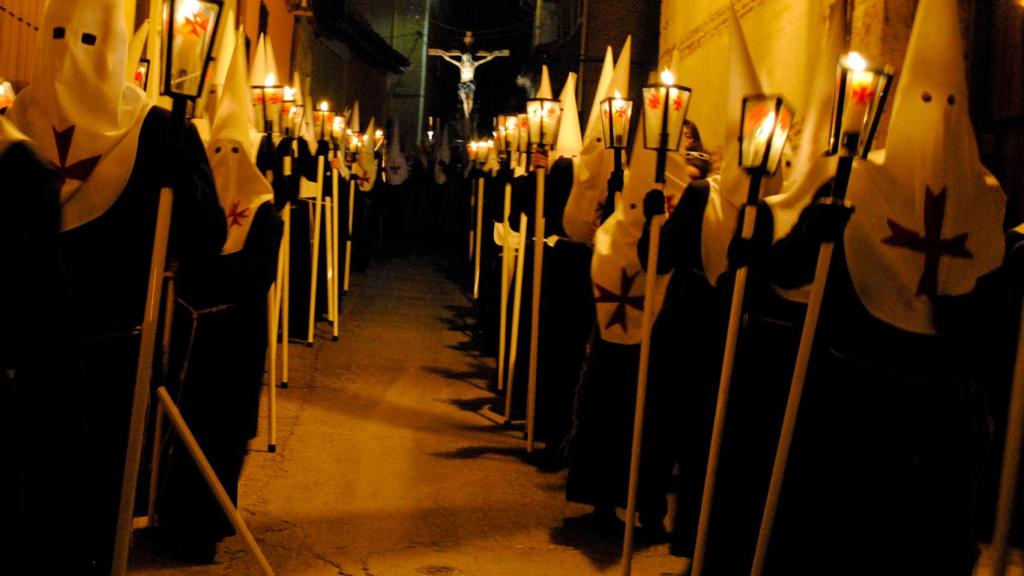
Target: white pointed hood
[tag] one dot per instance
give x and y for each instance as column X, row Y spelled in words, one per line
column 398, row 168
column 811, row 168
column 365, row 168
column 80, row 111
column 583, row 210
column 927, row 221
column 570, row 141
column 241, row 189
column 729, row 191
column 544, row 91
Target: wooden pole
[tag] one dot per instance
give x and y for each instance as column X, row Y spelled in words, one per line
column 335, row 250
column 286, row 252
column 796, row 386
column 348, row 240
column 143, row 378
column 329, row 256
column 724, row 382
column 1011, row 462
column 538, row 264
column 506, row 261
column 317, row 209
column 517, row 309
column 156, row 455
column 479, row 236
column 650, row 285
column 167, row 404
column 273, row 302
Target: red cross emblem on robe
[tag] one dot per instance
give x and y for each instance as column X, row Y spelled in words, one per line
column 931, row 244
column 80, row 170
column 621, row 300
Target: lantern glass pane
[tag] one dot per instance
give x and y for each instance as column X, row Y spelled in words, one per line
column 552, row 122
column 534, row 113
column 191, row 32
column 323, row 123
column 654, row 114
column 615, row 116
column 779, row 139
column 141, row 77
column 760, row 114
column 524, row 133
column 512, row 132
column 678, row 103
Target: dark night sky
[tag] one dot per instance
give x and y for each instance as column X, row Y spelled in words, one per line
column 496, row 25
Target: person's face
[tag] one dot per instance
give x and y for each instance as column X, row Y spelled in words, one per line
column 688, row 137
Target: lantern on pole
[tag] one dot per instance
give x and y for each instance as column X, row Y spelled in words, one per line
column 141, row 76
column 190, row 30
column 665, row 106
column 323, row 120
column 764, row 127
column 616, row 113
column 268, row 100
column 860, row 96
column 857, row 105
column 292, row 112
column 542, row 116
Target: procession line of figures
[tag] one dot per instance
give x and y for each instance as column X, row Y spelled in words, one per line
column 78, row 210
column 895, row 459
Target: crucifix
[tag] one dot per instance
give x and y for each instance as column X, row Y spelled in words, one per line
column 467, row 68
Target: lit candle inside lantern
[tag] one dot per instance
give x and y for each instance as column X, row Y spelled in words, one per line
column 378, row 138
column 6, row 95
column 860, row 91
column 275, row 100
column 194, row 24
column 762, row 131
column 620, row 120
column 512, row 132
column 338, row 127
column 323, row 120
column 288, row 107
column 472, row 149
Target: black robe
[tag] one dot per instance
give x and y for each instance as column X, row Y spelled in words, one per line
column 687, row 352
column 218, row 355
column 107, row 261
column 881, row 463
column 39, row 396
column 566, row 314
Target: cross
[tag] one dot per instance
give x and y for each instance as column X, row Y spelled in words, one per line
column 80, row 170
column 235, row 216
column 467, row 68
column 606, row 296
column 932, row 244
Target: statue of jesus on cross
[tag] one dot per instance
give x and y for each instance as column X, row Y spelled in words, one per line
column 467, row 68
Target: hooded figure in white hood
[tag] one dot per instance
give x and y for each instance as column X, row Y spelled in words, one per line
column 220, row 346
column 113, row 153
column 888, row 420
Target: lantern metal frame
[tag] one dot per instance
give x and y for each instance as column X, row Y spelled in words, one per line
column 170, row 33
column 662, row 93
column 781, row 120
column 321, row 129
column 261, row 95
column 857, row 140
column 536, row 111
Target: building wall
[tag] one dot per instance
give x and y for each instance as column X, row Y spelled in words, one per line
column 783, row 35
column 608, row 23
column 280, row 29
